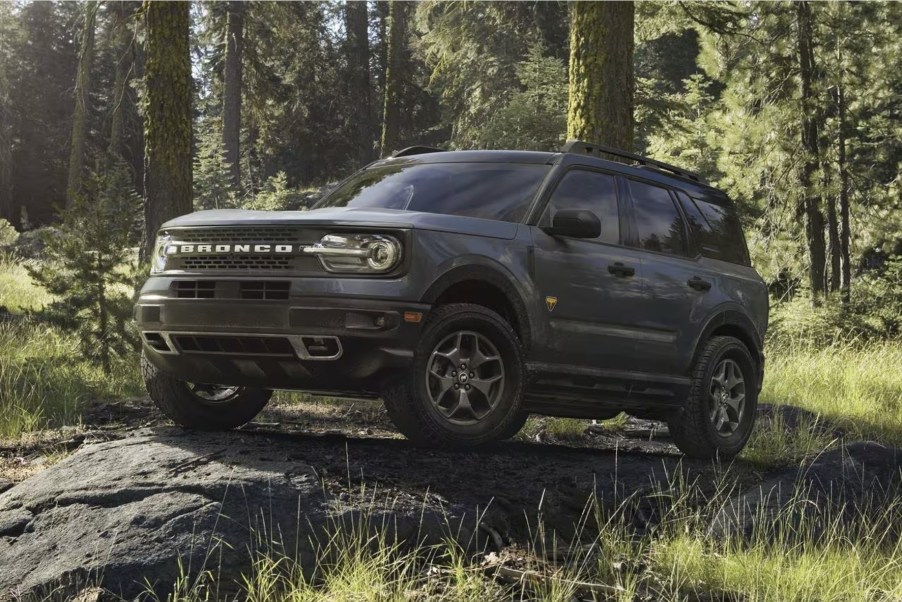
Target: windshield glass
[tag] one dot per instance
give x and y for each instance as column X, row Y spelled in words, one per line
column 499, row 191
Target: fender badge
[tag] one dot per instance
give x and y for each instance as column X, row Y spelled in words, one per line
column 551, row 303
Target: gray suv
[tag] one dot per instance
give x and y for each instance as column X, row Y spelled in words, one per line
column 468, row 290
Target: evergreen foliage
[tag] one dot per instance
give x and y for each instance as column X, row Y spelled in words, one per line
column 89, row 266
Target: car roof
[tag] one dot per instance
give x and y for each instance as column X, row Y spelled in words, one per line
column 694, row 188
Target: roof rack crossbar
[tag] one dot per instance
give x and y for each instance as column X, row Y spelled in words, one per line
column 597, row 150
column 416, row 150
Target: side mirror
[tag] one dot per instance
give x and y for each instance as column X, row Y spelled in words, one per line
column 576, row 223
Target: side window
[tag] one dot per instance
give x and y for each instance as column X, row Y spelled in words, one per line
column 592, row 191
column 659, row 225
column 716, row 229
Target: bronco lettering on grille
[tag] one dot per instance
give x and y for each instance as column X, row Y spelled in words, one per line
column 187, row 249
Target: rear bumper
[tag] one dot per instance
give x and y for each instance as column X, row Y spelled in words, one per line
column 329, row 344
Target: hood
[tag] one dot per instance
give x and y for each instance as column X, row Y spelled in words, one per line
column 368, row 217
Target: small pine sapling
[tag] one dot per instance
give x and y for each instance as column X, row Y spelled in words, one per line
column 90, row 266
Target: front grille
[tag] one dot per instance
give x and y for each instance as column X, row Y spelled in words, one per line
column 235, row 262
column 236, row 235
column 234, row 345
column 264, row 289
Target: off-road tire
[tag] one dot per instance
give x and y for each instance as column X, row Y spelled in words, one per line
column 691, row 427
column 186, row 409
column 407, row 400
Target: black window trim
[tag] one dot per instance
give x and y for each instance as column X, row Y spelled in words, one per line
column 554, row 180
column 691, row 244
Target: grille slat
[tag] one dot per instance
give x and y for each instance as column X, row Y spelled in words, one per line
column 260, row 234
column 235, row 262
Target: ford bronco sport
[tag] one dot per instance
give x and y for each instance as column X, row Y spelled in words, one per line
column 467, row 290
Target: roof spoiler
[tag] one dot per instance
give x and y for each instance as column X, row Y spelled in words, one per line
column 597, row 150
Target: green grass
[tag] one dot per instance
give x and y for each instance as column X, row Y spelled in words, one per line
column 18, row 293
column 43, row 380
column 676, row 561
column 857, row 388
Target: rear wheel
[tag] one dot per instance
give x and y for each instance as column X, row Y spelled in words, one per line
column 719, row 414
column 465, row 385
column 202, row 406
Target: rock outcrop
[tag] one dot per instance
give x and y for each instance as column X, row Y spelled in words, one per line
column 123, row 514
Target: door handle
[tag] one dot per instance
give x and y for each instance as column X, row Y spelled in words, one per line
column 699, row 284
column 618, row 269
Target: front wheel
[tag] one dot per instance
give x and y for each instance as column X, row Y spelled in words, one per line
column 201, row 406
column 719, row 414
column 465, row 386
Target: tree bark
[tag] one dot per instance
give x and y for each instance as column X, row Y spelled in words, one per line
column 231, row 104
column 357, row 27
column 811, row 202
column 125, row 62
column 397, row 26
column 82, row 105
column 845, row 232
column 602, row 82
column 7, row 210
column 832, row 232
column 167, row 117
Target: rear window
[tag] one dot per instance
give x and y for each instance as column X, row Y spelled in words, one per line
column 716, row 229
column 499, row 191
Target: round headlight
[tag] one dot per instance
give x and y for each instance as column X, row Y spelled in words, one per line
column 383, row 254
column 158, row 261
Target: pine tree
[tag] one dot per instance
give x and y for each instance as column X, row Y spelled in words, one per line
column 232, row 90
column 397, row 29
column 80, row 120
column 89, row 265
column 358, row 49
column 602, row 82
column 167, row 116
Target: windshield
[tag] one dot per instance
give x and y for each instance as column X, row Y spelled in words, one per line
column 499, row 191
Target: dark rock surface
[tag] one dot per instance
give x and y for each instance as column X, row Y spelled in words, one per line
column 843, row 484
column 123, row 512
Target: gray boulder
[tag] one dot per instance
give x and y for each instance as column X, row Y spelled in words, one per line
column 122, row 514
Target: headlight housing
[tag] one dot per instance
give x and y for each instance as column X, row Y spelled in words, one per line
column 159, row 257
column 358, row 253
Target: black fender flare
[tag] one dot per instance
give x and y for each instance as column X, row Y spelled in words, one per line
column 739, row 320
column 494, row 276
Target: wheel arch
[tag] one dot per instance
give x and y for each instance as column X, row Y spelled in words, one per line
column 487, row 286
column 733, row 323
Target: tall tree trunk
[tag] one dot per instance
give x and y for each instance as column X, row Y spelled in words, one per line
column 845, row 232
column 167, row 117
column 397, row 26
column 125, row 61
column 602, row 83
column 231, row 103
column 82, row 105
column 7, row 210
column 814, row 218
column 356, row 25
column 832, row 232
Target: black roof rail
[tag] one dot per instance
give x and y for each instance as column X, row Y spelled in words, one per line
column 416, row 150
column 597, row 150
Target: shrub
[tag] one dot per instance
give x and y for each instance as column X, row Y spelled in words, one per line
column 8, row 234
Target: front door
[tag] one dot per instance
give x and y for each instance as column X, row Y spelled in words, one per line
column 590, row 286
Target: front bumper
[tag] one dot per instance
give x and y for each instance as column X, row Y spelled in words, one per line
column 335, row 344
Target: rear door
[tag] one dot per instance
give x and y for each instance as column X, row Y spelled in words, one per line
column 590, row 286
column 680, row 288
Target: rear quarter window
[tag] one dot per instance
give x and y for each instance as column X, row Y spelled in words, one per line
column 716, row 229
